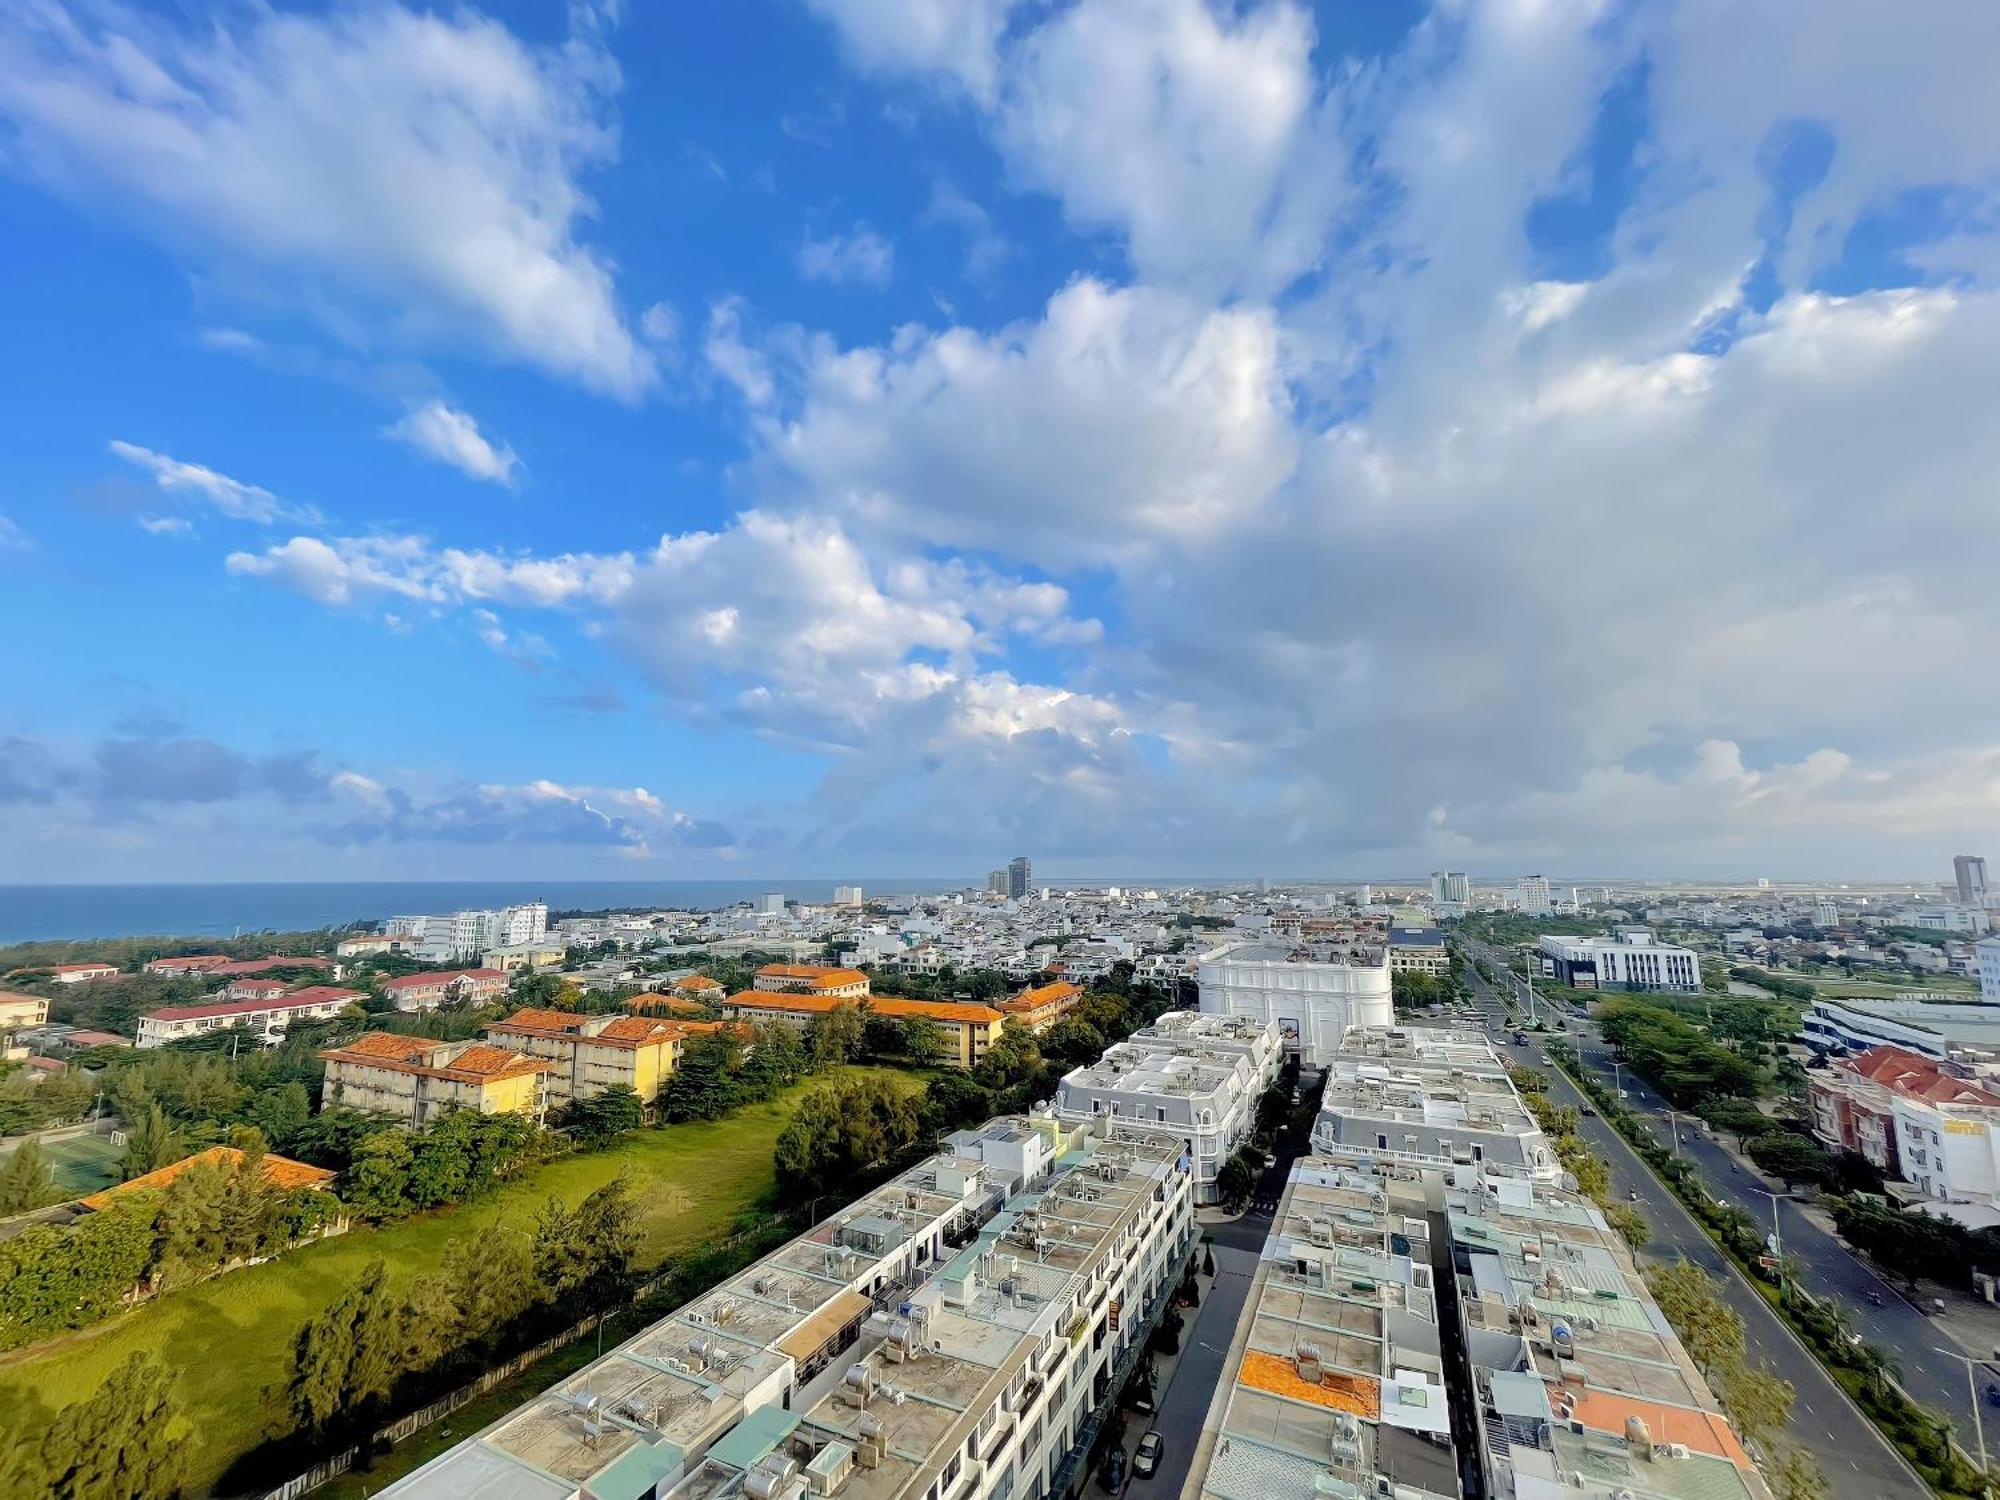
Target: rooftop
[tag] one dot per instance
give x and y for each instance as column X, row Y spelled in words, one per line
column 280, row 1172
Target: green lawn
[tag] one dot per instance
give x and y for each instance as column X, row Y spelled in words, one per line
column 229, row 1340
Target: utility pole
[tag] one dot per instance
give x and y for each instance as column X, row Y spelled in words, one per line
column 1978, row 1426
column 1674, row 1124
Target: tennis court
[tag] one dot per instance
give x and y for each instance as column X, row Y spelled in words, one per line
column 83, row 1163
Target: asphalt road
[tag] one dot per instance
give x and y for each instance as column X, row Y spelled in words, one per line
column 1858, row 1462
column 1826, row 1267
column 1205, row 1341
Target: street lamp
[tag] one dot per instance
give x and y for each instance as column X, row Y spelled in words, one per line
column 1777, row 1235
column 1978, row 1427
column 1674, row 1124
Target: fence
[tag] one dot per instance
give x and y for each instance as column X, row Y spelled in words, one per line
column 333, row 1466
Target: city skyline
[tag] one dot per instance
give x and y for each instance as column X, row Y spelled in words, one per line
column 787, row 438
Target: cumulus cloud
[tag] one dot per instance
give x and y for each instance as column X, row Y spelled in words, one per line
column 1120, row 417
column 453, row 437
column 163, row 796
column 860, row 255
column 425, row 167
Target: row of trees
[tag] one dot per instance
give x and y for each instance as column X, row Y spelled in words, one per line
column 1562, row 1129
column 125, row 1439
column 844, row 1130
column 463, row 1155
column 1679, row 1058
column 1759, row 1402
column 59, row 1277
column 350, row 1358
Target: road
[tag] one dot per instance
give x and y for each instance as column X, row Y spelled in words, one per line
column 1205, row 1341
column 1858, row 1462
column 1827, row 1267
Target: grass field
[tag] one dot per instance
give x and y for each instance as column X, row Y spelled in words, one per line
column 229, row 1341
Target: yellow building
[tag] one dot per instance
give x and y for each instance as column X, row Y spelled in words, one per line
column 1041, row 1007
column 588, row 1054
column 416, row 1079
column 530, row 956
column 968, row 1030
column 18, row 1010
column 812, row 979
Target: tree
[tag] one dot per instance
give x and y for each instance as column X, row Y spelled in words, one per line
column 705, row 1084
column 281, row 1112
column 152, row 1143
column 1739, row 1117
column 345, row 1357
column 842, row 1130
column 26, row 1180
column 922, row 1039
column 1071, row 1042
column 953, row 1100
column 491, row 1282
column 598, row 1121
column 835, row 1036
column 1794, row 1474
column 378, row 1181
column 1795, row 1158
column 1760, row 1402
column 122, row 1440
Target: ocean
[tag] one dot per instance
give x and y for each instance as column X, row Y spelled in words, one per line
column 30, row 913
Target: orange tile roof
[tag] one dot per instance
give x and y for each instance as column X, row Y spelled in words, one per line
column 637, row 1031
column 532, row 1019
column 880, row 1005
column 280, row 1172
column 697, row 982
column 1040, row 996
column 1358, row 1395
column 1703, row 1431
column 819, row 975
column 483, row 1062
column 479, row 1063
column 383, row 1046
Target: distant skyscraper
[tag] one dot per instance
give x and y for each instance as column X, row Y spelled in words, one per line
column 1971, row 872
column 1020, row 875
column 1531, row 895
column 847, row 895
column 1451, row 887
column 772, row 903
column 996, row 883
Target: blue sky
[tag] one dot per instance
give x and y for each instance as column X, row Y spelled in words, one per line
column 804, row 436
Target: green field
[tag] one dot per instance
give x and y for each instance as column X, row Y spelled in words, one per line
column 229, row 1340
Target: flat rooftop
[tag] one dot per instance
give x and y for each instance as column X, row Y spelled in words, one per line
column 690, row 1404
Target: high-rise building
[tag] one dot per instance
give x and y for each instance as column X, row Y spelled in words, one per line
column 996, row 882
column 1531, row 895
column 847, row 895
column 1450, row 887
column 771, row 904
column 1970, row 871
column 1020, row 875
column 1825, row 913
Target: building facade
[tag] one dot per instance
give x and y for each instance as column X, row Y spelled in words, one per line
column 1969, row 876
column 589, row 1054
column 415, row 1079
column 1418, row 950
column 1039, row 1007
column 1020, row 876
column 1629, row 961
column 437, row 987
column 1190, row 1078
column 267, row 1017
column 1312, row 1003
column 1927, row 1124
column 966, row 1030
column 1531, row 896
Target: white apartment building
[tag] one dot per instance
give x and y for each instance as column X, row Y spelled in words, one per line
column 1825, row 914
column 1188, row 1078
column 1986, row 954
column 869, row 1359
column 268, row 1017
column 1428, row 1097
column 1450, row 887
column 1631, row 960
column 1312, row 1003
column 1531, row 896
column 1948, row 918
column 847, row 895
column 467, row 934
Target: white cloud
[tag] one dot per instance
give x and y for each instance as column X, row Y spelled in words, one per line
column 452, row 437
column 347, row 570
column 12, row 537
column 426, row 167
column 951, row 39
column 1120, row 418
column 861, row 255
column 196, row 482
column 986, row 249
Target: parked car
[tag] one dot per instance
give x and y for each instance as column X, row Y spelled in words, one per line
column 1147, row 1458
